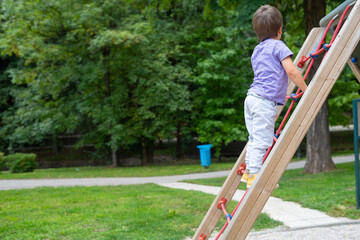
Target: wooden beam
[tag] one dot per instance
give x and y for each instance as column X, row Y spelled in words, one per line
column 296, row 128
column 355, row 69
column 233, row 180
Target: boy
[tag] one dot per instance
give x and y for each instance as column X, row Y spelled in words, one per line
column 272, row 65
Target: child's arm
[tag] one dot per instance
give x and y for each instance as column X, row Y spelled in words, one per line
column 293, row 73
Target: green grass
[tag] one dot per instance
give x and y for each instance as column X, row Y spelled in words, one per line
column 330, row 192
column 93, row 172
column 333, row 192
column 124, row 212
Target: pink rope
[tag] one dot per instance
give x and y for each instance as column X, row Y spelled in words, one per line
column 227, row 223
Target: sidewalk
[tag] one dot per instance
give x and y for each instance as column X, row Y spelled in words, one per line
column 290, row 213
column 32, row 183
column 348, row 231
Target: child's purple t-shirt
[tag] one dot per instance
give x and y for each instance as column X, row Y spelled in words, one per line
column 270, row 78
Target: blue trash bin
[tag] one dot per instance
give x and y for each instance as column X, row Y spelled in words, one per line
column 205, row 154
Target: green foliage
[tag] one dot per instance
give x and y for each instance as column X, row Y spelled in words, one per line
column 340, row 102
column 223, row 81
column 118, row 74
column 294, row 24
column 346, row 87
column 99, row 68
column 21, row 162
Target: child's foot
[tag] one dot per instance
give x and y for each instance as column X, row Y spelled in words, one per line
column 250, row 180
column 245, row 176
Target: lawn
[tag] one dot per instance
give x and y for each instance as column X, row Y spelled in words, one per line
column 150, row 211
column 123, row 212
column 106, row 171
column 141, row 171
column 92, row 172
column 333, row 192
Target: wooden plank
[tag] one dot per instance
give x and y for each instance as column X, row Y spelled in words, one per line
column 355, row 69
column 233, row 181
column 296, row 128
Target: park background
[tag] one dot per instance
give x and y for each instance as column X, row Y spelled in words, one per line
column 138, row 82
column 121, row 83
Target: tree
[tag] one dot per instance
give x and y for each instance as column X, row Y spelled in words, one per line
column 99, row 68
column 222, row 73
column 223, row 83
column 6, row 99
column 211, row 46
column 318, row 157
column 129, row 74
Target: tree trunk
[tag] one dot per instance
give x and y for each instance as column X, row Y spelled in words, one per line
column 114, row 158
column 147, row 151
column 318, row 151
column 220, row 149
column 143, row 152
column 55, row 145
column 179, row 143
column 106, row 54
column 313, row 12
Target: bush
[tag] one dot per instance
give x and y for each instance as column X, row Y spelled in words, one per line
column 21, row 162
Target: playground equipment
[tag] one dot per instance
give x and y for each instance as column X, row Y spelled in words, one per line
column 344, row 26
column 356, row 116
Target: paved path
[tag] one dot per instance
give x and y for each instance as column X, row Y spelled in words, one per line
column 32, row 183
column 290, row 213
column 348, row 231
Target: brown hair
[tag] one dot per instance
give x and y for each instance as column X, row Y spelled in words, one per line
column 267, row 21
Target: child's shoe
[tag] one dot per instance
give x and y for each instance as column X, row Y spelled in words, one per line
column 250, row 180
column 245, row 176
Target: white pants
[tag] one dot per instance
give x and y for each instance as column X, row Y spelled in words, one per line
column 260, row 116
